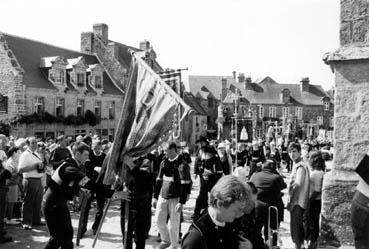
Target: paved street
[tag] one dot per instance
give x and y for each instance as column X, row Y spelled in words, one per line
column 110, row 237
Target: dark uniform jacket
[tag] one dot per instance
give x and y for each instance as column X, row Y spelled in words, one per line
column 250, row 225
column 174, row 179
column 204, row 234
column 215, row 167
column 66, row 182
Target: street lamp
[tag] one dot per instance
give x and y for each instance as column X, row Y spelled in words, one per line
column 236, row 97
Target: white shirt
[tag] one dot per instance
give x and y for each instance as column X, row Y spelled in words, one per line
column 28, row 158
column 3, row 157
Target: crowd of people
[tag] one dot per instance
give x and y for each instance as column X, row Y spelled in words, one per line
column 238, row 185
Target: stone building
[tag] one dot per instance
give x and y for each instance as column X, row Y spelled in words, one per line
column 308, row 107
column 195, row 123
column 350, row 65
column 48, row 90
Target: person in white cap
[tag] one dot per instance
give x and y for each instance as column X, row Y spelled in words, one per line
column 225, row 159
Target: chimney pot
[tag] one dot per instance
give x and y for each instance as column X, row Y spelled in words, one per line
column 101, row 30
column 234, row 75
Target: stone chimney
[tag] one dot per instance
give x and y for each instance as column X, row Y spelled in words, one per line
column 87, row 42
column 248, row 82
column 241, row 77
column 234, row 75
column 145, row 45
column 285, row 96
column 101, row 31
column 224, row 88
column 305, row 82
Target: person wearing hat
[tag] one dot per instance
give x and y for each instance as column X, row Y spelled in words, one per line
column 225, row 160
column 61, row 153
column 210, row 170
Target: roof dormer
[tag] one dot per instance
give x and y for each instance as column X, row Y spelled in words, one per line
column 95, row 78
column 285, row 96
column 78, row 77
column 56, row 70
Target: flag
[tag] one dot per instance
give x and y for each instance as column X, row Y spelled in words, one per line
column 146, row 118
column 173, row 79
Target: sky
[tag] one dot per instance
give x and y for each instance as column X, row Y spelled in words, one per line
column 283, row 39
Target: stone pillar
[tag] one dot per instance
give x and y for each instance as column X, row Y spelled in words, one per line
column 350, row 64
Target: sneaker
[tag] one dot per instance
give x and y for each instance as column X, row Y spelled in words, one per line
column 164, row 245
column 12, row 222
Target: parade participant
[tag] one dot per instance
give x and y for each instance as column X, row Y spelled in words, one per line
column 173, row 185
column 61, row 153
column 360, row 206
column 210, row 170
column 12, row 183
column 93, row 168
column 298, row 194
column 4, row 175
column 139, row 182
column 317, row 167
column 227, row 200
column 183, row 150
column 250, row 224
column 269, row 186
column 256, row 158
column 225, row 160
column 285, row 157
column 64, row 184
column 32, row 168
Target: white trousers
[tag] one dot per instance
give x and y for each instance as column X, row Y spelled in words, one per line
column 166, row 208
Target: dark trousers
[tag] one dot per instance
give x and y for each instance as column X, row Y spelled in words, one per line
column 3, row 191
column 100, row 201
column 360, row 220
column 32, row 200
column 202, row 198
column 139, row 220
column 297, row 225
column 314, row 216
column 60, row 226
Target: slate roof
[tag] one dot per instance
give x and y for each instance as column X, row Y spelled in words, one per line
column 29, row 53
column 124, row 56
column 190, row 100
column 265, row 91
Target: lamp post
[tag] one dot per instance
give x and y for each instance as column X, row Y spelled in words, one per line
column 235, row 98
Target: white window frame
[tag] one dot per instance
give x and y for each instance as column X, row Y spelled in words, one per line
column 111, row 110
column 261, row 111
column 39, row 102
column 80, row 104
column 272, row 111
column 285, row 112
column 80, row 76
column 98, row 86
column 60, row 103
column 97, row 106
column 319, row 120
column 60, row 77
column 326, row 106
column 299, row 113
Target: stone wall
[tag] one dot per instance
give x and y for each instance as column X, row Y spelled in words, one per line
column 70, row 99
column 350, row 64
column 92, row 44
column 354, row 22
column 11, row 77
